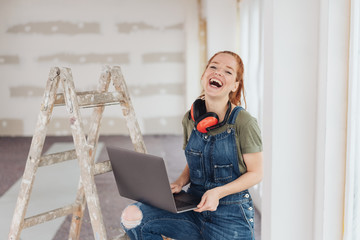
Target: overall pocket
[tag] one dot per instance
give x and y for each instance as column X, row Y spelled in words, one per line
column 223, row 173
column 195, row 162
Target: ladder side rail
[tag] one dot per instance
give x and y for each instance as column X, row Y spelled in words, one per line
column 128, row 109
column 34, row 155
column 92, row 141
column 84, row 153
column 93, row 136
column 78, row 213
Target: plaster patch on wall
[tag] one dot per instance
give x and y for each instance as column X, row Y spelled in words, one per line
column 158, row 89
column 179, row 26
column 109, row 126
column 133, row 27
column 163, row 125
column 26, row 91
column 56, row 27
column 163, row 57
column 11, row 127
column 141, row 26
column 119, row 58
column 9, row 59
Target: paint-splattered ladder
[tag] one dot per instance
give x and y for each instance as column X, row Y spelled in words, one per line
column 85, row 148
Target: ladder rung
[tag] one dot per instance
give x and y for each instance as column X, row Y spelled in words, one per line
column 50, row 215
column 92, row 99
column 102, row 167
column 53, row 158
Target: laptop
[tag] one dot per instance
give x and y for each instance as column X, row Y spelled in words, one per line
column 143, row 178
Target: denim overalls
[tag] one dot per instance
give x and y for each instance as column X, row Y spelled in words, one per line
column 213, row 162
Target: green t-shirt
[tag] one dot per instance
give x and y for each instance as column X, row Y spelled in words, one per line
column 247, row 134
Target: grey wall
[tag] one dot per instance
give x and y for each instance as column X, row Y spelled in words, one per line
column 146, row 38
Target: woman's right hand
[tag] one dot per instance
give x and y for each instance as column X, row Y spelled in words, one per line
column 184, row 179
column 175, row 187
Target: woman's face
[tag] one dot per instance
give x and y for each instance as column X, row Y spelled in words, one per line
column 219, row 78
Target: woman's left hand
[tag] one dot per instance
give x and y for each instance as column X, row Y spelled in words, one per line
column 209, row 201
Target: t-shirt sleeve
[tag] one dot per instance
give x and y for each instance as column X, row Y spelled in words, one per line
column 250, row 137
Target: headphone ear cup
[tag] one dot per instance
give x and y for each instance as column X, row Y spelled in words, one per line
column 192, row 113
column 205, row 121
column 198, row 109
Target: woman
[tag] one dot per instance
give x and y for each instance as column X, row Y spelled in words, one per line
column 223, row 150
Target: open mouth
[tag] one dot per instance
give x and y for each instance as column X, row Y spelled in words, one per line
column 216, row 83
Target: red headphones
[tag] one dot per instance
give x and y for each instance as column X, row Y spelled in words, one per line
column 206, row 121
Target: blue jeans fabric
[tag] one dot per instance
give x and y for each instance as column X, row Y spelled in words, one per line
column 213, row 162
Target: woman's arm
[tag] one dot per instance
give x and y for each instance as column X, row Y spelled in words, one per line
column 183, row 180
column 254, row 174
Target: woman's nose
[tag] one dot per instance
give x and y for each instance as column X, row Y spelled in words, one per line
column 217, row 72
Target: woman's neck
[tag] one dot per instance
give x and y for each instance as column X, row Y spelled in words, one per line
column 217, row 106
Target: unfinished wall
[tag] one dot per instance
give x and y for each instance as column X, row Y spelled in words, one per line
column 146, row 38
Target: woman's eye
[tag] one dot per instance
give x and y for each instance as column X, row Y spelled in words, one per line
column 213, row 67
column 230, row 73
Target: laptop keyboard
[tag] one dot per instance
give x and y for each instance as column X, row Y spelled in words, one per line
column 181, row 204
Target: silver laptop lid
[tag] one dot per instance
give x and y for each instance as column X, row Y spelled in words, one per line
column 142, row 177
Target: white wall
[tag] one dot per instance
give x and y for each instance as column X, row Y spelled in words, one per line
column 221, row 31
column 305, row 104
column 352, row 188
column 290, row 118
column 147, row 38
column 332, row 118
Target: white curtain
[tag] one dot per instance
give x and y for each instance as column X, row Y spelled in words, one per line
column 250, row 48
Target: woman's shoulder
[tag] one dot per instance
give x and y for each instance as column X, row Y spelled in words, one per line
column 249, row 132
column 244, row 118
column 187, row 121
column 188, row 125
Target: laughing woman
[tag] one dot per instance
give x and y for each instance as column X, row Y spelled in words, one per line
column 223, row 149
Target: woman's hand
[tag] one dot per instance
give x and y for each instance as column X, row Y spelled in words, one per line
column 183, row 180
column 175, row 187
column 209, row 201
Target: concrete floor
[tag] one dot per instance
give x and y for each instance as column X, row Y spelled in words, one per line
column 60, row 181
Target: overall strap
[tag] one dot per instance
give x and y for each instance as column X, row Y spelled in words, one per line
column 234, row 114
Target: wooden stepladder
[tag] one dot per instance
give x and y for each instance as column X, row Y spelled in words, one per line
column 84, row 152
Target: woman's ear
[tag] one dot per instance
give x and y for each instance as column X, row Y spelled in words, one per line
column 236, row 85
